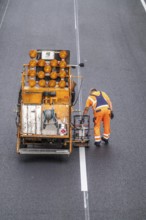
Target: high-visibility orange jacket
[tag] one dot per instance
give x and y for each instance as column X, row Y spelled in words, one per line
column 92, row 101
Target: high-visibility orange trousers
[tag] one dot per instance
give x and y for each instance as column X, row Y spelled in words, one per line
column 102, row 116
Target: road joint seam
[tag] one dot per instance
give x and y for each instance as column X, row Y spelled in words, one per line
column 4, row 14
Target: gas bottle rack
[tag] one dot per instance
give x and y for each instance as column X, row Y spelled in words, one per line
column 81, row 130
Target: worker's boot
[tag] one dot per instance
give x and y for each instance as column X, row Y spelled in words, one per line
column 97, row 143
column 105, row 140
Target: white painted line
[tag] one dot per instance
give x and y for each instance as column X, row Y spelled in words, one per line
column 86, row 206
column 4, row 14
column 144, row 4
column 83, row 173
column 75, row 15
column 77, row 48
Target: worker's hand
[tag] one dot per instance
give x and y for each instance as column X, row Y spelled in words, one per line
column 112, row 115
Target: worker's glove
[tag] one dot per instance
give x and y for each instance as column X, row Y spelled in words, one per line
column 112, row 115
column 82, row 120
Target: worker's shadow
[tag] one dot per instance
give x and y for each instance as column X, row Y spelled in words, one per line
column 102, row 152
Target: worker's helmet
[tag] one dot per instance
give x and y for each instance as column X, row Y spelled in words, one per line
column 92, row 90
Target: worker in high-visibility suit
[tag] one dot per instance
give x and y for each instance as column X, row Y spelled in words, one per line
column 103, row 112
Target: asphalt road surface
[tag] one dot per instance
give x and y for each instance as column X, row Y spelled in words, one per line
column 113, row 47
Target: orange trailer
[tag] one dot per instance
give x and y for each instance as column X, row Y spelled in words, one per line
column 44, row 107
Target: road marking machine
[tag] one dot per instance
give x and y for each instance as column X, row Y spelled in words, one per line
column 45, row 120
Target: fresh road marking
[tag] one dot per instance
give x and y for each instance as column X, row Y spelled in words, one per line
column 83, row 172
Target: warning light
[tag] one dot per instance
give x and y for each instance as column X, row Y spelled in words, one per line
column 62, row 84
column 62, row 73
column 32, row 72
column 41, row 63
column 62, row 64
column 47, row 69
column 54, row 63
column 52, row 83
column 32, row 63
column 53, row 75
column 63, row 54
column 41, row 74
column 42, row 83
column 32, row 53
column 32, row 82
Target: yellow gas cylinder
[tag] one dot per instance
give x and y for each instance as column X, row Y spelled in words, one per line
column 32, row 53
column 41, row 74
column 63, row 54
column 42, row 83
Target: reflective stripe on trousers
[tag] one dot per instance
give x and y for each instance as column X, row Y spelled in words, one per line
column 97, row 138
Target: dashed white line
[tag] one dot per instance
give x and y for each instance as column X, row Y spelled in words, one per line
column 82, row 155
column 75, row 15
column 144, row 4
column 4, row 14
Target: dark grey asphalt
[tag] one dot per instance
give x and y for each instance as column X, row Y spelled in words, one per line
column 112, row 41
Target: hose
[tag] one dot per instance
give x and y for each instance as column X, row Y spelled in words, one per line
column 78, row 93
